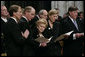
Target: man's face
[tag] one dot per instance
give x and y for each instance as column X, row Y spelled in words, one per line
column 4, row 11
column 44, row 15
column 18, row 14
column 74, row 14
column 30, row 15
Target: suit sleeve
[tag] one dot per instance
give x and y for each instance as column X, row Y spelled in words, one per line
column 16, row 33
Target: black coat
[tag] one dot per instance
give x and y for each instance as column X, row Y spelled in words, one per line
column 53, row 49
column 39, row 51
column 14, row 38
column 28, row 46
column 71, row 47
column 3, row 36
column 33, row 22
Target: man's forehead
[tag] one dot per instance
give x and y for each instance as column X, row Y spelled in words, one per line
column 3, row 7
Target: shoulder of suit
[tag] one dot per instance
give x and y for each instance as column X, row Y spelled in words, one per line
column 22, row 20
column 65, row 19
column 10, row 20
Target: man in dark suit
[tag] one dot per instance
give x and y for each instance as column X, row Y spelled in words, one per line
column 73, row 43
column 24, row 23
column 14, row 36
column 4, row 14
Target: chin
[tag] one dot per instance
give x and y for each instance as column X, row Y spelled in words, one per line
column 41, row 31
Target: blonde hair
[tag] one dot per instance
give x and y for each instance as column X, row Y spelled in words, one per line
column 51, row 12
column 42, row 21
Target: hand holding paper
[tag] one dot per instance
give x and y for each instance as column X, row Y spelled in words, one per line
column 79, row 35
column 43, row 40
column 63, row 36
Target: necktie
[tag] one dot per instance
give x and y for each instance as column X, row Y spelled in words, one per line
column 75, row 23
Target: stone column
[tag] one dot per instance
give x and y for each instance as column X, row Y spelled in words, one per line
column 62, row 7
column 80, row 5
column 52, row 5
column 70, row 3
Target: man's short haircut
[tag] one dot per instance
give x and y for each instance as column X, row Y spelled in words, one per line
column 13, row 8
column 72, row 8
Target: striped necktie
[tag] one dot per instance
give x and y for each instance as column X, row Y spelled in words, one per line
column 75, row 23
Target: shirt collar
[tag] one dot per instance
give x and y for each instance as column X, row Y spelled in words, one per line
column 14, row 19
column 4, row 19
column 71, row 19
column 25, row 18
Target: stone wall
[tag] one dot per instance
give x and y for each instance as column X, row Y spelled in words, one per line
column 2, row 2
column 64, row 5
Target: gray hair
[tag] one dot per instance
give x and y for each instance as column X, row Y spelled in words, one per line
column 41, row 12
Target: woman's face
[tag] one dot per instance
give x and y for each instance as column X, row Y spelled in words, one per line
column 41, row 27
column 53, row 17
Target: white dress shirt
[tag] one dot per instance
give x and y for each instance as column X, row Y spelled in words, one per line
column 4, row 19
column 74, row 36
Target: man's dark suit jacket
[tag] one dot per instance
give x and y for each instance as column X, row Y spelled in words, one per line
column 33, row 22
column 71, row 47
column 3, row 37
column 14, row 39
column 28, row 46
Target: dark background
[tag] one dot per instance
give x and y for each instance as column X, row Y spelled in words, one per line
column 38, row 5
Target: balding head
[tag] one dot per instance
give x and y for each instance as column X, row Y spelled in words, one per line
column 43, row 13
column 29, row 12
column 28, row 9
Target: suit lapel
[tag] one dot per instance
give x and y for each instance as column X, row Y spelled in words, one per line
column 24, row 19
column 71, row 23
